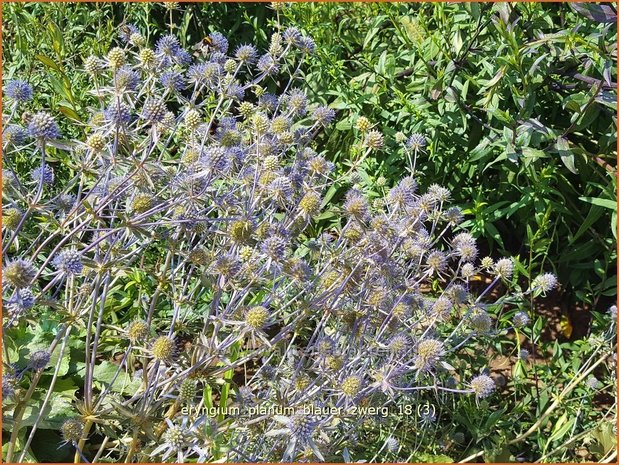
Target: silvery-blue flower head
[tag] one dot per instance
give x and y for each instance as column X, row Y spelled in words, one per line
column 42, row 126
column 18, row 90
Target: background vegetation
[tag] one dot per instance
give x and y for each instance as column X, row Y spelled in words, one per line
column 518, row 105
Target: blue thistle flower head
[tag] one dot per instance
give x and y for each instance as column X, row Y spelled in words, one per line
column 236, row 154
column 21, row 300
column 296, row 102
column 483, row 386
column 127, row 78
column 183, row 57
column 291, row 35
column 118, row 114
column 227, row 123
column 167, row 45
column 267, row 102
column 416, row 141
column 45, row 174
column 267, row 65
column 324, row 115
column 246, row 53
column 154, row 110
column 392, row 444
column 43, row 127
column 18, row 90
column 219, row 58
column 307, row 45
column 64, row 203
column 235, row 92
column 39, row 359
column 205, row 73
column 172, row 80
column 127, row 31
column 219, row 42
column 15, row 134
column 169, row 52
column 69, row 262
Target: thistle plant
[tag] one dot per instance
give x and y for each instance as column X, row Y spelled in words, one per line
column 202, row 176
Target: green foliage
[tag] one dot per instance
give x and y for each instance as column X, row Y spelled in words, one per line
column 518, row 102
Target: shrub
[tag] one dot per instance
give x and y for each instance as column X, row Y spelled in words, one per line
column 170, row 297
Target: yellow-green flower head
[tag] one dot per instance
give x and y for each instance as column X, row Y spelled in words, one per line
column 138, row 331
column 504, row 268
column 544, row 283
column 374, row 140
column 442, row 307
column 318, row 165
column 400, row 137
column 137, row 39
column 230, row 66
column 246, row 253
column 190, row 156
column 175, row 436
column 329, row 279
column 11, row 218
column 247, row 109
column 353, row 233
column 351, row 385
column 310, row 204
column 427, row 354
column 363, row 124
column 72, row 430
column 261, row 123
column 479, row 320
column 116, row 58
column 467, row 271
column 276, row 48
column 96, row 142
column 487, row 263
column 241, row 230
column 147, row 57
column 325, row 346
column 356, row 205
column 163, row 348
column 192, row 120
column 93, row 65
column 482, row 386
column 398, row 344
column 301, row 382
column 199, row 256
column 271, row 162
column 401, row 310
column 256, row 317
column 286, row 137
column 334, row 362
column 436, row 261
column 187, row 391
column 141, row 203
column 280, row 124
column 19, row 273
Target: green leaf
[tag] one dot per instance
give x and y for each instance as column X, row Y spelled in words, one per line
column 598, row 12
column 606, row 203
column 69, row 113
column 567, row 156
column 105, row 372
column 48, row 62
